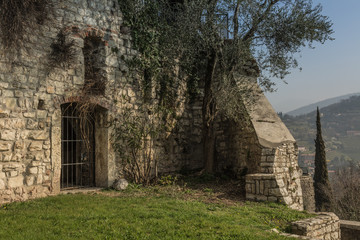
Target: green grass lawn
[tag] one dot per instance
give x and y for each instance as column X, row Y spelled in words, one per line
column 149, row 215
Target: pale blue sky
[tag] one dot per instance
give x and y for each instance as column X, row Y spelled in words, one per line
column 329, row 70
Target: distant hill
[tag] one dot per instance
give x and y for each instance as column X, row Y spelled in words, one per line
column 321, row 104
column 340, row 126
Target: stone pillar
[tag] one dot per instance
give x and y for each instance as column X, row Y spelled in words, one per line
column 307, row 186
column 279, row 180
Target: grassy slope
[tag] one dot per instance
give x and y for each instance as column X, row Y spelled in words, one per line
column 146, row 216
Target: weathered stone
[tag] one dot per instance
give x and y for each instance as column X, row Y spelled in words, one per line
column 39, row 135
column 120, row 184
column 19, row 145
column 10, row 103
column 78, row 80
column 33, row 170
column 8, row 135
column 6, row 156
column 323, row 226
column 29, row 114
column 35, row 146
column 2, row 184
column 39, row 179
column 41, row 114
column 4, row 146
column 9, row 123
column 16, row 181
column 50, row 89
column 30, row 180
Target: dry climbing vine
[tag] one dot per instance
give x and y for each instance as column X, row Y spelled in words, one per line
column 20, row 17
column 62, row 52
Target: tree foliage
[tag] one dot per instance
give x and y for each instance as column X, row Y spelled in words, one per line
column 322, row 188
column 346, row 203
column 210, row 43
column 134, row 139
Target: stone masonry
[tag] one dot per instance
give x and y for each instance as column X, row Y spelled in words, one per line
column 307, row 185
column 278, row 175
column 33, row 94
column 324, row 226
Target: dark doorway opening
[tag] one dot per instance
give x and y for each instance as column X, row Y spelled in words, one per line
column 77, row 147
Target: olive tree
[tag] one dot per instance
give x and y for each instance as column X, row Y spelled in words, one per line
column 213, row 40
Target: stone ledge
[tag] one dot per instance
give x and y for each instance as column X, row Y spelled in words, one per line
column 350, row 224
column 350, row 230
column 324, row 226
column 260, row 176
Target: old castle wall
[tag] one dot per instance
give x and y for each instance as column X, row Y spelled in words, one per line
column 32, row 93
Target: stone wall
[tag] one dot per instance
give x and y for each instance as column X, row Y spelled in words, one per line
column 237, row 149
column 350, row 230
column 325, row 226
column 32, row 92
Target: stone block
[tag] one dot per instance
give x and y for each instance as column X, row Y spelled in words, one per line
column 19, row 145
column 50, row 89
column 33, row 170
column 38, row 156
column 30, row 180
column 272, row 199
column 41, row 114
column 39, row 135
column 18, row 93
column 4, row 113
column 261, row 185
column 35, row 146
column 78, row 80
column 120, row 184
column 31, row 124
column 35, row 163
column 2, row 184
column 16, row 181
column 261, row 198
column 13, row 173
column 6, row 156
column 257, row 187
column 39, row 179
column 10, row 123
column 10, row 103
column 275, row 192
column 29, row 114
column 4, row 146
column 8, row 135
column 250, row 196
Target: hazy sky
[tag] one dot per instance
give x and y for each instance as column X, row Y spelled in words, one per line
column 329, row 70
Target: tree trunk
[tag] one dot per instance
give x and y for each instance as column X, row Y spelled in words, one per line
column 208, row 115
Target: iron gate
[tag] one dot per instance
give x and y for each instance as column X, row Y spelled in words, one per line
column 77, row 148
